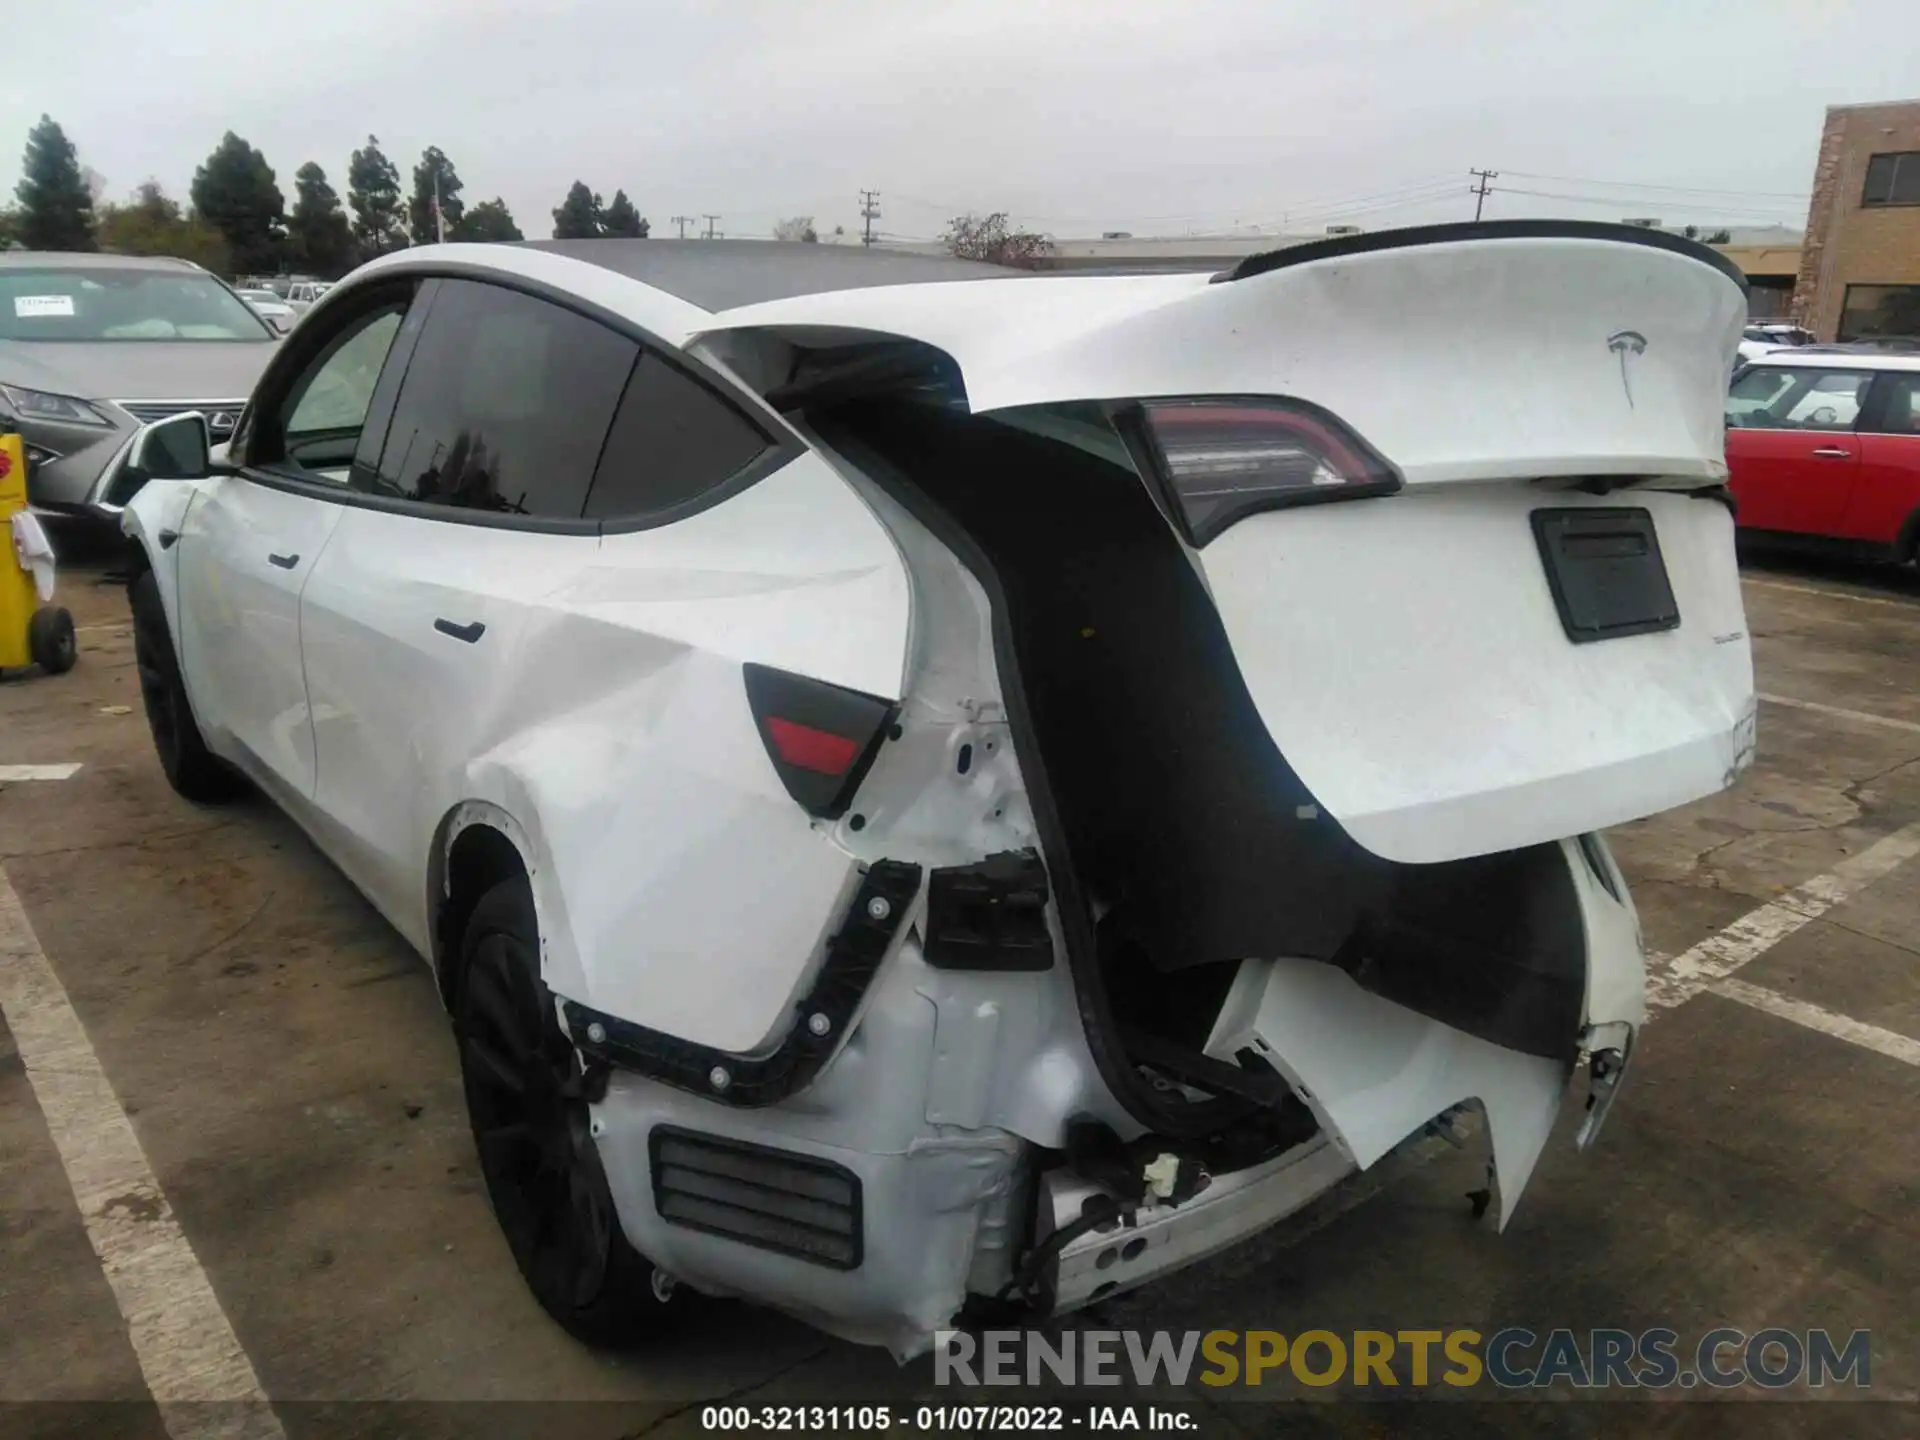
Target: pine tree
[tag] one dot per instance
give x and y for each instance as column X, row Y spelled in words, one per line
column 622, row 219
column 578, row 217
column 373, row 194
column 433, row 161
column 489, row 220
column 235, row 193
column 56, row 208
column 318, row 238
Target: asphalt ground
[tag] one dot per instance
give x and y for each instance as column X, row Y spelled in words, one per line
column 282, row 1095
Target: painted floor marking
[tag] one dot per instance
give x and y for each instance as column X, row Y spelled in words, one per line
column 1859, row 717
column 1817, row 1017
column 1758, row 931
column 39, row 772
column 187, row 1350
column 1830, row 594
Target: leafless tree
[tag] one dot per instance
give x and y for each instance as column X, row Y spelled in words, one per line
column 796, row 228
column 991, row 238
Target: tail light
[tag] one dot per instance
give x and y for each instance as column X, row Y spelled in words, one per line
column 820, row 737
column 1221, row 460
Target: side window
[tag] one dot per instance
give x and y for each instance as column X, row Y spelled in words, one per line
column 322, row 415
column 505, row 406
column 1778, row 398
column 673, row 439
column 1899, row 404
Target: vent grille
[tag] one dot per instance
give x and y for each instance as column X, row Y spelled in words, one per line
column 771, row 1199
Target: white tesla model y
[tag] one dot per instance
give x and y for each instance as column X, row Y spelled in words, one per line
column 929, row 789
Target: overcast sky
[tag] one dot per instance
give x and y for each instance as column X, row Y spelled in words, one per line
column 1076, row 115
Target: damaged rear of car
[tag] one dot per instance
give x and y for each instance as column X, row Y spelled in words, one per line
column 934, row 793
column 1274, row 664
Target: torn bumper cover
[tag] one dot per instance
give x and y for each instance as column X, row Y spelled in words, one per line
column 1374, row 1072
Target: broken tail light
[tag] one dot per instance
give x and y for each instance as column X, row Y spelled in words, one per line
column 1221, row 460
column 821, row 738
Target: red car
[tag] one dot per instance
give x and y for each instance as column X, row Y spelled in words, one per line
column 1827, row 446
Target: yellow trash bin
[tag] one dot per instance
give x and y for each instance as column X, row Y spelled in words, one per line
column 30, row 633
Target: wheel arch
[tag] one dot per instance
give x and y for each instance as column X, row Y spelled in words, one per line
column 476, row 846
column 1907, row 546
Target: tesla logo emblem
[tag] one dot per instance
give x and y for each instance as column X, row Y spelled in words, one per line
column 1626, row 344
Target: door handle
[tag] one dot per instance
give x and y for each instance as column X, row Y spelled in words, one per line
column 1833, row 452
column 285, row 562
column 470, row 632
column 166, row 538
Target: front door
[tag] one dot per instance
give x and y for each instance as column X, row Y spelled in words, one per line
column 251, row 548
column 1792, row 452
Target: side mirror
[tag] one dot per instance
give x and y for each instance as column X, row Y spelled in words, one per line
column 176, row 448
column 171, row 449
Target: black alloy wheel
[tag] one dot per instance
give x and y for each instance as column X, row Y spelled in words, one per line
column 533, row 1129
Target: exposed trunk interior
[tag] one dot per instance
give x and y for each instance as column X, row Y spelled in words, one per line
column 1179, row 838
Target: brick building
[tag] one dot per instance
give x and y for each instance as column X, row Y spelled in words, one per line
column 1860, row 262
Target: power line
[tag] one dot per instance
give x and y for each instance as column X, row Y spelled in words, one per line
column 869, row 212
column 1479, row 191
column 1722, row 210
column 1676, row 189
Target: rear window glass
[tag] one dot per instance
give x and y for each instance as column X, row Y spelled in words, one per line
column 70, row 305
column 505, row 406
column 672, row 441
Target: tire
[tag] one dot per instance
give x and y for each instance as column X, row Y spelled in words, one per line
column 530, row 1126
column 50, row 640
column 194, row 771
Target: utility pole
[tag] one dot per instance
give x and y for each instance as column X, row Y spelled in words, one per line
column 439, row 221
column 869, row 212
column 1479, row 192
column 683, row 221
column 709, row 219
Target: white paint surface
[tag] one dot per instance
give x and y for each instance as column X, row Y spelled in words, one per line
column 1508, row 373
column 1858, row 717
column 1431, row 700
column 39, row 772
column 1816, row 1017
column 1758, row 931
column 186, row 1349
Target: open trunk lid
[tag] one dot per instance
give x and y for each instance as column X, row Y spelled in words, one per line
column 1540, row 632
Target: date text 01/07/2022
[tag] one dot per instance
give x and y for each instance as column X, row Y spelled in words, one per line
column 871, row 1419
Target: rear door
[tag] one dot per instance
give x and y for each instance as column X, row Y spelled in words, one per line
column 478, row 649
column 1886, row 501
column 1792, row 451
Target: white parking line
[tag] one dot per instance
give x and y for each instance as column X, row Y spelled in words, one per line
column 1830, row 594
column 187, row 1350
column 1859, row 717
column 1758, row 931
column 1816, row 1017
column 38, row 772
